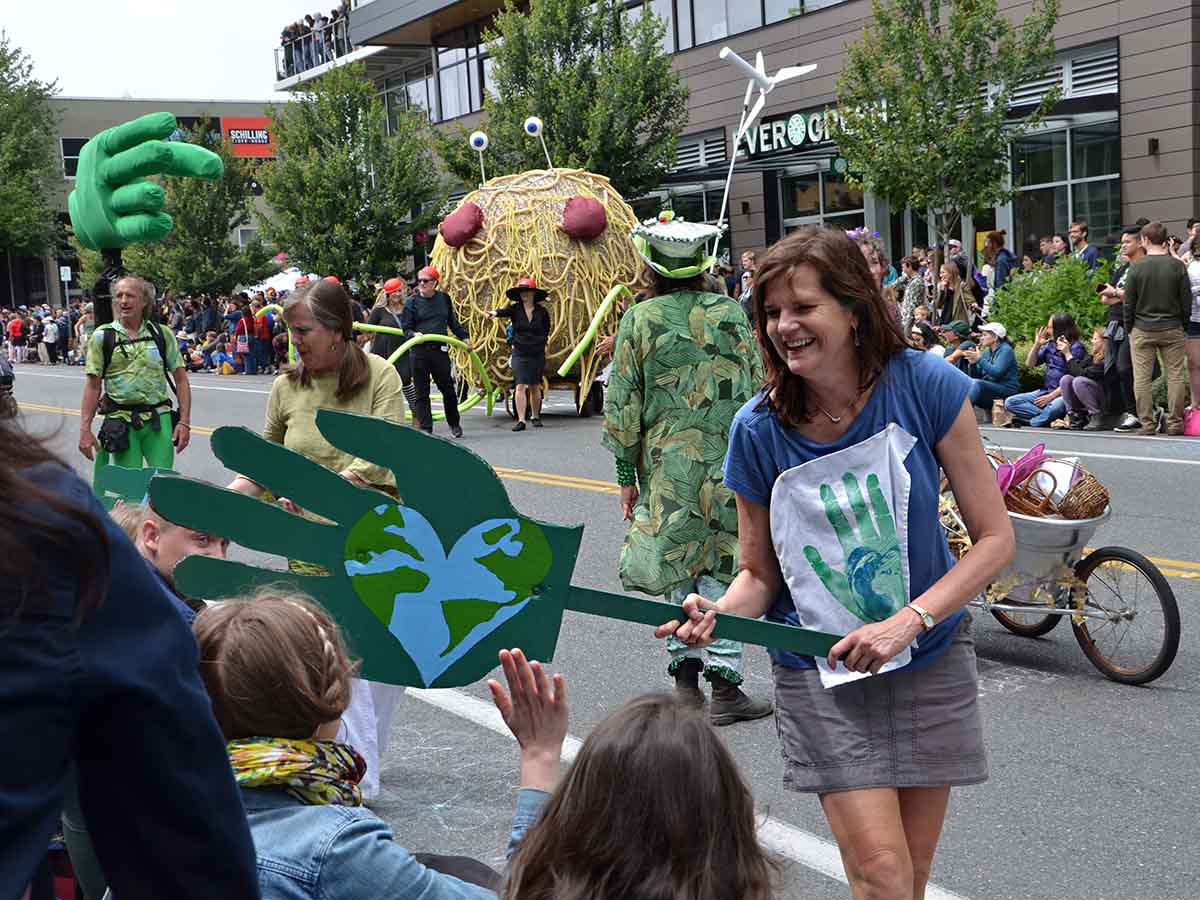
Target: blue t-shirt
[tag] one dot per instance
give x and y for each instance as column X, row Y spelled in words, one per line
column 920, row 394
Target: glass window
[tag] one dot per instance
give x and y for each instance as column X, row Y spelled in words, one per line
column 711, row 24
column 1096, row 150
column 71, row 148
column 744, row 16
column 1039, row 212
column 454, row 91
column 662, row 9
column 489, row 86
column 417, row 89
column 450, row 56
column 778, row 10
column 801, row 196
column 689, row 207
column 684, row 10
column 1040, row 158
column 848, row 221
column 1099, row 204
column 839, row 196
column 646, row 207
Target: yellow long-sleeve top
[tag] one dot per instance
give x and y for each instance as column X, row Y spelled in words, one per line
column 292, row 418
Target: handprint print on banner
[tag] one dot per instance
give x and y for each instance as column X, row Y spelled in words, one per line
column 428, row 589
column 872, row 585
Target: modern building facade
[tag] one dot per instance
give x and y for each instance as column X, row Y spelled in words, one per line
column 30, row 280
column 1123, row 142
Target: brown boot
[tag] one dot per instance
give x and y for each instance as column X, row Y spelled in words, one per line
column 687, row 682
column 730, row 705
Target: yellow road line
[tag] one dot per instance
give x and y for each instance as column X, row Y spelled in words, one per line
column 1172, row 568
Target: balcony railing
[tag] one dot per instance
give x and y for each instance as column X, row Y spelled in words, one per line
column 311, row 49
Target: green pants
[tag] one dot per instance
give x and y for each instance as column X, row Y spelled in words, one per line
column 155, row 447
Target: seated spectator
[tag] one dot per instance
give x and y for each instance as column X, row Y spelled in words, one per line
column 923, row 337
column 1041, row 407
column 993, row 367
column 596, row 836
column 207, row 349
column 1083, row 385
column 91, row 655
column 920, row 313
column 279, row 677
column 223, row 358
column 957, row 336
column 162, row 545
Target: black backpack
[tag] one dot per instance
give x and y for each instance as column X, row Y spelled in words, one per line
column 109, row 339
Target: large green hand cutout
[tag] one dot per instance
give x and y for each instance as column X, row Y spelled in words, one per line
column 113, row 205
column 116, row 483
column 872, row 587
column 427, row 589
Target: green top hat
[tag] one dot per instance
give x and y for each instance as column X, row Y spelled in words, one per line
column 674, row 248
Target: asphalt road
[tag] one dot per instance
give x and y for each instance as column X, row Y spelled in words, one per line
column 1092, row 794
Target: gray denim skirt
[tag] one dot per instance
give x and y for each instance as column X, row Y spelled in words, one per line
column 900, row 729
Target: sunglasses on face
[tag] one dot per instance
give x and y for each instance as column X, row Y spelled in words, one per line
column 425, row 281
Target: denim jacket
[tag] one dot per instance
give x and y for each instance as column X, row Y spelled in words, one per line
column 349, row 853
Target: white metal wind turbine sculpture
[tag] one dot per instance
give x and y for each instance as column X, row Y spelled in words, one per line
column 758, row 79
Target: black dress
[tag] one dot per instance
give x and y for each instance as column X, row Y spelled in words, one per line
column 529, row 341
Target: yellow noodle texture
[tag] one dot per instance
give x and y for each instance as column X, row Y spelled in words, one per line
column 522, row 236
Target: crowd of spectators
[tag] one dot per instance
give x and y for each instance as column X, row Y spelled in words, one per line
column 1097, row 382
column 314, row 40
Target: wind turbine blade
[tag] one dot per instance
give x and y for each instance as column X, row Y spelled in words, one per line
column 790, row 72
column 760, row 64
column 757, row 76
column 758, row 105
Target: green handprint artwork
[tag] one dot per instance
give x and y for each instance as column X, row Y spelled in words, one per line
column 113, row 205
column 427, row 588
column 872, row 585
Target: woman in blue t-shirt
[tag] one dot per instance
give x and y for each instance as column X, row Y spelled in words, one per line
column 836, row 466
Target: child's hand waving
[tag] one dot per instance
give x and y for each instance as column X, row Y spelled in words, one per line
column 535, row 711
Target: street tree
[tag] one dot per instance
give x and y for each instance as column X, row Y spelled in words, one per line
column 346, row 196
column 599, row 78
column 199, row 254
column 29, row 163
column 923, row 117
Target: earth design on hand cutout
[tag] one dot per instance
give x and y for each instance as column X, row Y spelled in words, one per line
column 439, row 605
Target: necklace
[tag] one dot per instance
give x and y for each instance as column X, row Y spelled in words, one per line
column 830, row 416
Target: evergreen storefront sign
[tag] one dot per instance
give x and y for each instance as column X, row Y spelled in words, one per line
column 790, row 132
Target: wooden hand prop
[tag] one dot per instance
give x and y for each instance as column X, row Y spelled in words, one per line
column 428, row 589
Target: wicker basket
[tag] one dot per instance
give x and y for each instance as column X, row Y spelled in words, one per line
column 1086, row 498
column 1029, row 498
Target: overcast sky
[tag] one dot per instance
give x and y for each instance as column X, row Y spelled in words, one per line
column 214, row 50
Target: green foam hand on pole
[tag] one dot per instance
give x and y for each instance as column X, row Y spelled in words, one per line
column 428, row 587
column 602, row 312
column 113, row 205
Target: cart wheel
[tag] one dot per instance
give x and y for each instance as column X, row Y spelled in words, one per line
column 1138, row 636
column 1026, row 624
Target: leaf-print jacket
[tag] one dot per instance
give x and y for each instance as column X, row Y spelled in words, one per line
column 684, row 364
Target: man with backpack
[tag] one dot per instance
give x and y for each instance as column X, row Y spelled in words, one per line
column 132, row 364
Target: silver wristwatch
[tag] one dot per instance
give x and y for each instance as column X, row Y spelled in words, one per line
column 926, row 619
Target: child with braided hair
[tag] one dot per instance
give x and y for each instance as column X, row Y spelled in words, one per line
column 280, row 678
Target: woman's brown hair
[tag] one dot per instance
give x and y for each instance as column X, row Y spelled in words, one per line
column 844, row 275
column 330, row 306
column 623, row 823
column 274, row 665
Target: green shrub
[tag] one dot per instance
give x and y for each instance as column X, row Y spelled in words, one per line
column 1029, row 299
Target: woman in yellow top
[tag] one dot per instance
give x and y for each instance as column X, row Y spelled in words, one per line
column 333, row 372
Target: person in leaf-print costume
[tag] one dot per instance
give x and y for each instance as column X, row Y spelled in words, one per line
column 685, row 362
